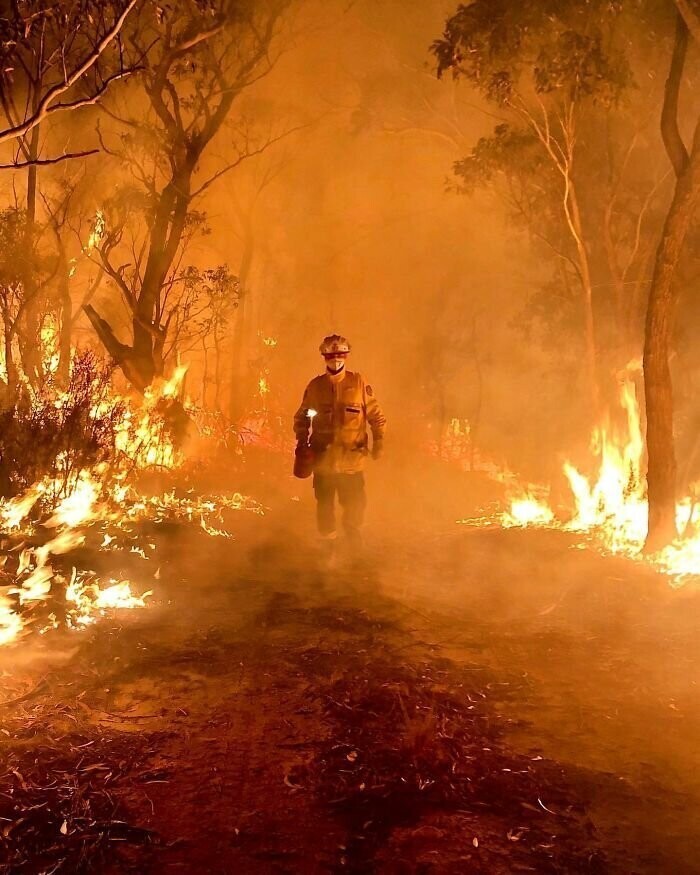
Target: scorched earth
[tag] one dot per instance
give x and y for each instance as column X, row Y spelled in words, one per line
column 459, row 699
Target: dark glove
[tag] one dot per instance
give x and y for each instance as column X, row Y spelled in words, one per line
column 377, row 450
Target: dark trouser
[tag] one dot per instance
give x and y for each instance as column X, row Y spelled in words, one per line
column 351, row 495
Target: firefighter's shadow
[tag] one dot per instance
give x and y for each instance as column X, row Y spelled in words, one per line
column 293, row 565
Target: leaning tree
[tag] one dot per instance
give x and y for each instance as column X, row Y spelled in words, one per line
column 198, row 59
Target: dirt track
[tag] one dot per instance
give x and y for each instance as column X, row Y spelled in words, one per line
column 461, row 701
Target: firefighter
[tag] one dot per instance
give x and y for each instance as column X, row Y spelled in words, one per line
column 335, row 411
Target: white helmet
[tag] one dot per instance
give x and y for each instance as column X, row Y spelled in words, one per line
column 334, row 343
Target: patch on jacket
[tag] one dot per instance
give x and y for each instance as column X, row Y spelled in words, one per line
column 368, row 390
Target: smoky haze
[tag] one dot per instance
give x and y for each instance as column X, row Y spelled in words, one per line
column 350, row 223
column 359, row 233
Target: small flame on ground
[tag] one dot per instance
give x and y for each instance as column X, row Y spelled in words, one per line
column 81, row 498
column 526, row 510
column 86, row 596
column 11, row 624
column 14, row 510
column 78, row 506
column 613, row 506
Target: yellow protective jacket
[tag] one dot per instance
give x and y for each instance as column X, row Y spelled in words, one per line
column 344, row 405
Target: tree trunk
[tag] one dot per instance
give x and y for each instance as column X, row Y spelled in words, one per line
column 66, row 318
column 143, row 361
column 589, row 317
column 12, row 376
column 205, row 373
column 663, row 295
column 475, row 424
column 166, row 233
column 217, row 371
column 29, row 333
column 237, row 387
column 122, row 355
column 661, row 472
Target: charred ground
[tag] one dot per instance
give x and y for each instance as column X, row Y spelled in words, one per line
column 420, row 711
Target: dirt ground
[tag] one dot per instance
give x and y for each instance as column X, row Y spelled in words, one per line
column 457, row 699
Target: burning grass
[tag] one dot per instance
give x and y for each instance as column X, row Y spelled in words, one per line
column 77, row 474
column 610, row 508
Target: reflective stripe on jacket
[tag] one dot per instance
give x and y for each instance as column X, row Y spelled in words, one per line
column 344, row 406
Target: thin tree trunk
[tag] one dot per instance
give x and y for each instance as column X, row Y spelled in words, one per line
column 66, row 317
column 217, row 371
column 663, row 295
column 237, row 387
column 205, row 372
column 166, row 234
column 587, row 287
column 12, row 377
column 475, row 424
column 29, row 332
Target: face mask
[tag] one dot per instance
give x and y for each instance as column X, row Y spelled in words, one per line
column 335, row 366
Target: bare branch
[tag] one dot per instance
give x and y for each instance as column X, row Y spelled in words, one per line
column 691, row 16
column 47, row 102
column 248, row 154
column 43, row 162
column 96, row 95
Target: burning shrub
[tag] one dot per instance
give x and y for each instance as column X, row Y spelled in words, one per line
column 59, row 433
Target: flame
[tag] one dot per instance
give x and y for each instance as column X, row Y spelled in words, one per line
column 98, row 231
column 616, row 503
column 50, row 345
column 142, row 434
column 14, row 510
column 11, row 623
column 527, row 510
column 172, row 387
column 612, row 507
column 86, row 597
column 78, row 506
column 213, row 531
column 37, row 585
column 73, row 499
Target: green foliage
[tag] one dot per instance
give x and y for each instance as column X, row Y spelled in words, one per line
column 560, row 45
column 576, row 158
column 209, row 299
column 578, row 64
column 22, row 259
column 511, row 151
column 15, row 254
